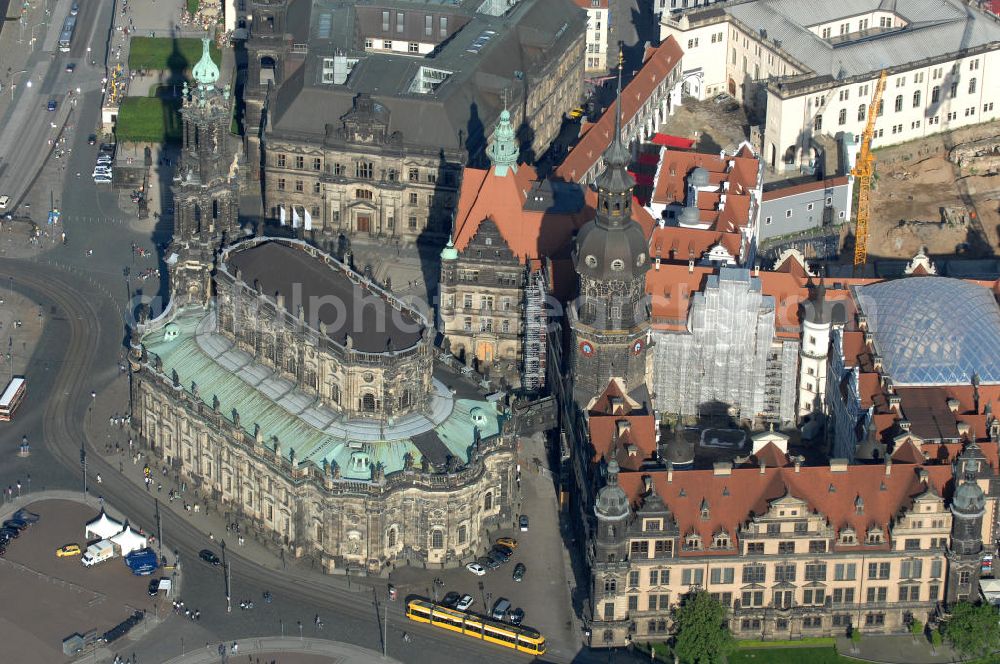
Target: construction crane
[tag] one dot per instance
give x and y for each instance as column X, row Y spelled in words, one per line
column 863, row 171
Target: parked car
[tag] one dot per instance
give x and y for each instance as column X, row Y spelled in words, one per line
column 500, row 608
column 504, row 549
column 10, row 533
column 74, row 9
column 68, row 550
column 464, row 603
column 497, row 558
column 508, row 542
column 92, row 139
column 15, row 523
column 209, row 557
column 517, row 616
column 26, row 516
column 501, row 551
column 519, row 571
column 450, row 599
column 493, row 563
column 71, row 67
column 52, row 105
column 102, row 179
column 476, row 569
column 523, row 523
column 154, row 587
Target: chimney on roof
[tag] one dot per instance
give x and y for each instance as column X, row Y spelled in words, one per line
column 720, row 468
column 888, row 465
column 763, row 467
column 670, row 472
column 647, row 482
column 691, row 266
column 756, row 269
column 838, row 465
column 656, row 265
column 798, row 462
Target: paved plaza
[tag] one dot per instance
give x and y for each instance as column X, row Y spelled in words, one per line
column 58, row 597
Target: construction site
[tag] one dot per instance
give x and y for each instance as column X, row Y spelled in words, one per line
column 940, row 194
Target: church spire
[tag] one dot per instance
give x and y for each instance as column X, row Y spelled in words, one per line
column 615, row 184
column 503, row 150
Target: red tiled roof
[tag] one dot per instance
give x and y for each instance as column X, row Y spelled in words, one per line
column 675, row 243
column 657, row 65
column 733, row 499
column 771, row 456
column 529, row 234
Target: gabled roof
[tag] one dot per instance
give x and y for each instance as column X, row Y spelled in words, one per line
column 530, row 229
column 735, row 498
column 657, row 64
column 771, row 456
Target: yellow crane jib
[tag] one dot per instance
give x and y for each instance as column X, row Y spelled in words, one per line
column 863, row 170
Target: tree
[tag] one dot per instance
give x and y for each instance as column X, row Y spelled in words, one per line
column 973, row 629
column 916, row 629
column 702, row 634
column 935, row 641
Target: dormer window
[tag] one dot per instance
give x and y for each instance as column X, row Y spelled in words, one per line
column 652, row 525
column 705, row 510
column 693, row 541
column 848, row 536
column 874, row 536
column 721, row 540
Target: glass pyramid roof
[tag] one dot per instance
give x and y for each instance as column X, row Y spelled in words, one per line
column 934, row 330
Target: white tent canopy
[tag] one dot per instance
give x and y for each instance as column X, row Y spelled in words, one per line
column 103, row 527
column 129, row 540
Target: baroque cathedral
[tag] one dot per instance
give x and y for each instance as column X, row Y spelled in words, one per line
column 287, row 389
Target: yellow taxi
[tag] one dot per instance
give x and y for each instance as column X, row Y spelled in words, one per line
column 508, row 542
column 68, row 550
column 577, row 113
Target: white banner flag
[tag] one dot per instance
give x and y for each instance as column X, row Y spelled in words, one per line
column 281, row 215
column 296, row 219
column 309, row 220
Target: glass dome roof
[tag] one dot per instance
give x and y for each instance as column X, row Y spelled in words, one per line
column 934, row 330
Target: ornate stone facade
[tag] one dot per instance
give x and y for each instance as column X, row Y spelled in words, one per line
column 302, row 398
column 367, row 127
column 307, row 326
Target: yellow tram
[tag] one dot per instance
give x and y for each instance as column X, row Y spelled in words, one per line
column 523, row 639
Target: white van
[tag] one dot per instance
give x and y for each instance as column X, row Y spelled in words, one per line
column 98, row 553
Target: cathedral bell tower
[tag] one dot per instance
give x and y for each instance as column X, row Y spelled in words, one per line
column 205, row 188
column 610, row 318
column 968, row 506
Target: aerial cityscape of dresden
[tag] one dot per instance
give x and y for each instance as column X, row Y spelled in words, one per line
column 466, row 331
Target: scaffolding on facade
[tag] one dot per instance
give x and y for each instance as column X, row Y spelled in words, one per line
column 535, row 323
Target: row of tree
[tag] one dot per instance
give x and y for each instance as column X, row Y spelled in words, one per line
column 701, row 632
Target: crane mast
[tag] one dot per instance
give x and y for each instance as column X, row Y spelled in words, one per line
column 863, row 170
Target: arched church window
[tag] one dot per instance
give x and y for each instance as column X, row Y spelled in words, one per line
column 437, row 539
column 488, row 501
column 368, row 403
column 391, row 537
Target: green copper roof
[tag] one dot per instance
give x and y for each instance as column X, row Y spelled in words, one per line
column 206, row 73
column 449, row 253
column 503, row 151
column 189, row 346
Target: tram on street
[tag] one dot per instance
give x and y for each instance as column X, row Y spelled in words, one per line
column 523, row 639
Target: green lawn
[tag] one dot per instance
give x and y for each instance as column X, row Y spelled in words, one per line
column 787, row 656
column 167, row 53
column 149, row 120
column 192, row 5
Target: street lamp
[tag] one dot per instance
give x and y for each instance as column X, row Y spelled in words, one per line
column 300, row 630
column 225, row 567
column 13, row 84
